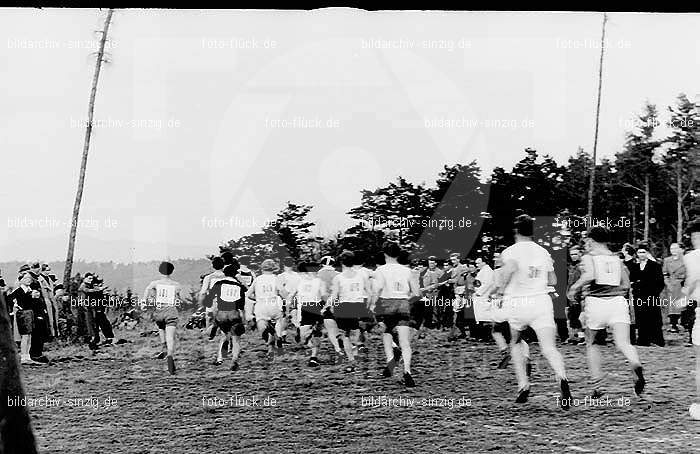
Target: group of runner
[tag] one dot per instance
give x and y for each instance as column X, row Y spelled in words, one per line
column 347, row 303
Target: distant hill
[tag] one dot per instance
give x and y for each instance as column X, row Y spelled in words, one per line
column 121, row 276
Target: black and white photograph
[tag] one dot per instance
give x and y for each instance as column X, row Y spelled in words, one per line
column 340, row 230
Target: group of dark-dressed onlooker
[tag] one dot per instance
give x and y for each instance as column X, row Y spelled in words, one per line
column 32, row 303
column 40, row 310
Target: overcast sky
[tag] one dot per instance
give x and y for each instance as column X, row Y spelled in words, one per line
column 207, row 122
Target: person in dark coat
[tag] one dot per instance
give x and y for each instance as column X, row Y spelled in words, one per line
column 647, row 284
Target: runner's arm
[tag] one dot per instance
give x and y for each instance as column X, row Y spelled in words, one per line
column 335, row 291
column 414, row 287
column 205, row 285
column 509, row 268
column 378, row 288
column 150, row 288
column 587, row 276
column 250, row 310
column 692, row 283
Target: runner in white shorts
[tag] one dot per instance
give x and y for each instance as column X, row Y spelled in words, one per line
column 500, row 316
column 605, row 305
column 166, row 295
column 692, row 289
column 207, row 283
column 527, row 272
column 309, row 298
column 267, row 295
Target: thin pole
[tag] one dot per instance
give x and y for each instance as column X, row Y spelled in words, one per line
column 597, row 122
column 83, row 162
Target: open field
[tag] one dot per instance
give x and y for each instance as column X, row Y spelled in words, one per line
column 462, row 402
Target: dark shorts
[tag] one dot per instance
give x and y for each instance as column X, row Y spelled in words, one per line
column 25, row 321
column 165, row 316
column 392, row 306
column 347, row 324
column 393, row 313
column 230, row 321
column 574, row 313
column 351, row 310
column 347, row 315
column 310, row 318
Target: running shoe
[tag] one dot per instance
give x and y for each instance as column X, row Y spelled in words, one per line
column 639, row 381
column 523, row 395
column 389, row 368
column 408, row 380
column 505, row 359
column 217, row 362
column 313, row 362
column 349, row 368
column 234, row 366
column 171, row 365
column 565, row 394
column 160, row 355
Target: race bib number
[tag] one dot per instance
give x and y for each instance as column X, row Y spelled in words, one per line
column 353, row 292
column 165, row 295
column 306, row 294
column 534, row 272
column 230, row 293
column 246, row 280
column 608, row 270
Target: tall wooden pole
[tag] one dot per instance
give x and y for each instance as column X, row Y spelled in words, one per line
column 591, row 184
column 83, row 163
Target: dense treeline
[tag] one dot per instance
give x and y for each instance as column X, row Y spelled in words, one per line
column 648, row 191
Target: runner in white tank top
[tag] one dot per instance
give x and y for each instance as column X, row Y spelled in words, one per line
column 394, row 286
column 309, row 298
column 266, row 293
column 347, row 302
column 605, row 280
column 691, row 288
column 527, row 273
column 166, row 295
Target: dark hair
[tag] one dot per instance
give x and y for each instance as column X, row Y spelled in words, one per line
column 308, row 267
column 693, row 227
column 404, row 258
column 288, row 262
column 360, row 257
column 644, row 246
column 347, row 258
column 244, row 260
column 391, row 249
column 523, row 225
column 166, row 268
column 599, row 234
column 217, row 263
column 432, row 258
column 231, row 270
column 227, row 257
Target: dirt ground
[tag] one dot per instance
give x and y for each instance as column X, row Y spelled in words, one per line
column 122, row 401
